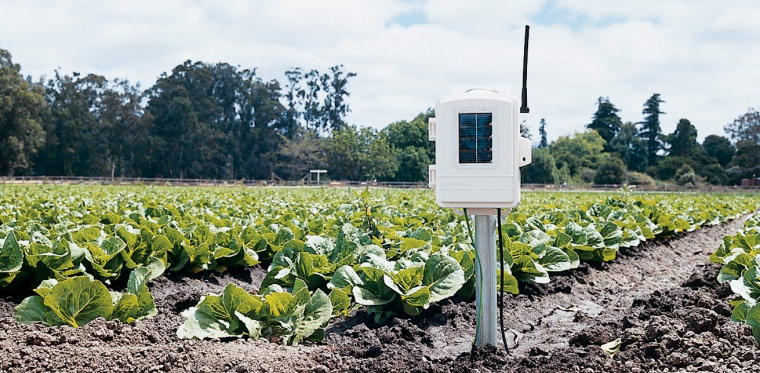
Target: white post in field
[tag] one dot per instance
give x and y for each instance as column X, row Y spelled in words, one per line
column 485, row 281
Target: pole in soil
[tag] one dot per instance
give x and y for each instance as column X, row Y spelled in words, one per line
column 485, row 280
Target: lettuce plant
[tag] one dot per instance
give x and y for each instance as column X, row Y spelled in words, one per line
column 408, row 285
column 289, row 317
column 78, row 300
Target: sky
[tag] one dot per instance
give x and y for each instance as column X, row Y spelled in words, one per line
column 702, row 56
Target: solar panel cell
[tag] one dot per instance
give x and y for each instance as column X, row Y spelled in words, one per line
column 475, row 141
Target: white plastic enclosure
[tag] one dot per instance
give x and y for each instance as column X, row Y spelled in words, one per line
column 479, row 150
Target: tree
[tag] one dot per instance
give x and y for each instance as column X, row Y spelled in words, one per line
column 411, row 146
column 651, row 132
column 215, row 121
column 297, row 155
column 21, row 108
column 199, row 120
column 745, row 127
column 629, row 147
column 412, row 164
column 379, row 162
column 335, row 105
column 714, row 174
column 683, row 140
column 686, row 176
column 666, row 167
column 605, row 120
column 320, row 98
column 414, row 133
column 611, row 170
column 542, row 134
column 292, row 94
column 541, row 170
column 354, row 153
column 193, row 120
column 121, row 126
column 747, row 154
column 309, row 99
column 75, row 143
column 720, row 148
column 746, row 164
column 686, row 151
column 580, row 150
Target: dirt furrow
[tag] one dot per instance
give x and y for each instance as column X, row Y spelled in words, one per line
column 548, row 321
column 542, row 319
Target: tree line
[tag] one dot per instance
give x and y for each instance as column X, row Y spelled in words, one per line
column 220, row 121
column 611, row 151
column 199, row 120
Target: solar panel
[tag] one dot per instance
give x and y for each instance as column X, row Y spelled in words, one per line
column 475, row 141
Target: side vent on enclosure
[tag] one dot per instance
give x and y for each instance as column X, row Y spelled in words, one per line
column 431, row 129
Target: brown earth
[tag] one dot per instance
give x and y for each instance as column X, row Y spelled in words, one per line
column 659, row 298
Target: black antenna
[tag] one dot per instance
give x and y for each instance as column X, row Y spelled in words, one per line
column 524, row 108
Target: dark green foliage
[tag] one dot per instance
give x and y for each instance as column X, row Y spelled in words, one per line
column 299, row 154
column 666, row 168
column 542, row 169
column 610, row 171
column 355, row 153
column 638, row 178
column 605, row 120
column 577, row 151
column 413, row 150
column 587, row 175
column 220, row 121
column 714, row 174
column 214, row 121
column 76, row 135
column 746, row 164
column 629, row 147
column 412, row 164
column 745, row 127
column 413, row 133
column 683, row 140
column 21, row 108
column 317, row 101
column 747, row 154
column 542, row 134
column 198, row 121
column 335, row 106
column 719, row 148
column 651, row 132
column 685, row 176
column 93, row 127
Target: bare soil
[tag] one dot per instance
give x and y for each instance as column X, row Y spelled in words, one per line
column 660, row 299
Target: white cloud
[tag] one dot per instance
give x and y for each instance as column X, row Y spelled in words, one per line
column 700, row 55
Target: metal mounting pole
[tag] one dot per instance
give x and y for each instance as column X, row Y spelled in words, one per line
column 485, row 280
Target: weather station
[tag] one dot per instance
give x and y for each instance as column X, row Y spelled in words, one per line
column 479, row 152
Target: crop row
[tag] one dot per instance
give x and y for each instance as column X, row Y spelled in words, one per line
column 327, row 252
column 739, row 255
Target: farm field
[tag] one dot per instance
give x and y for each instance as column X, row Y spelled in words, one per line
column 362, row 280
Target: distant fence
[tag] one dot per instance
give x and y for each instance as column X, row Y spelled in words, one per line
column 642, row 188
column 102, row 180
column 88, row 180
